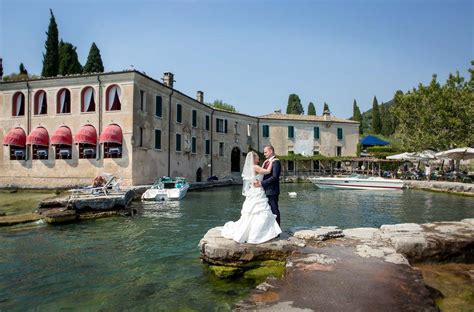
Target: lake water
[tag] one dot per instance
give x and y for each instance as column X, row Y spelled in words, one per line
column 151, row 261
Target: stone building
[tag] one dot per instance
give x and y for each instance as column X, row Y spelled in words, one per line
column 64, row 131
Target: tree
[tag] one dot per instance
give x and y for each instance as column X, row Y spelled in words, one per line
column 68, row 60
column 294, row 105
column 311, row 109
column 435, row 116
column 94, row 61
column 386, row 120
column 1, row 68
column 51, row 57
column 221, row 105
column 356, row 115
column 23, row 70
column 376, row 122
column 326, row 108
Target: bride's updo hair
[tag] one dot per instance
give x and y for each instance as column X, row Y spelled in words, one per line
column 256, row 158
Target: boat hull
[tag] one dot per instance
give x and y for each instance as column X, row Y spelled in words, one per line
column 358, row 184
column 165, row 194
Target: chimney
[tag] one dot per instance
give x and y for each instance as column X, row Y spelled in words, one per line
column 200, row 96
column 168, row 79
column 327, row 115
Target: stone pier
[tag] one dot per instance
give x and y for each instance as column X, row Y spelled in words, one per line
column 329, row 269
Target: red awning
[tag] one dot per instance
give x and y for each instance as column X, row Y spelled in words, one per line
column 86, row 134
column 39, row 136
column 15, row 137
column 62, row 136
column 111, row 134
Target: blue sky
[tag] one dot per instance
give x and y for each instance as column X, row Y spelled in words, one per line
column 253, row 54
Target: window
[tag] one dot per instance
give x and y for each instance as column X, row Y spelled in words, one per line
column 142, row 100
column 291, row 132
column 178, row 142
column 208, row 123
column 266, row 131
column 157, row 139
column 18, row 104
column 112, row 150
column 208, row 147
column 140, row 137
column 86, row 150
column 194, row 121
column 249, row 129
column 236, row 127
column 158, row 106
column 316, row 165
column 113, row 98
column 17, row 153
column 193, row 145
column 87, row 100
column 221, row 148
column 63, row 102
column 338, row 150
column 221, row 125
column 316, row 151
column 41, row 106
column 179, row 113
column 316, row 133
column 40, row 152
column 339, row 133
column 291, row 165
column 63, row 151
column 291, row 152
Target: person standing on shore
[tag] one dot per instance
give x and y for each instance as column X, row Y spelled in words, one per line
column 271, row 181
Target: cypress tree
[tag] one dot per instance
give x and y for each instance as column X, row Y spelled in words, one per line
column 326, row 108
column 94, row 61
column 51, row 57
column 1, row 68
column 311, row 109
column 294, row 105
column 356, row 115
column 68, row 60
column 23, row 70
column 376, row 122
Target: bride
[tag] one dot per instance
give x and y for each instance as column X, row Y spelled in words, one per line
column 257, row 223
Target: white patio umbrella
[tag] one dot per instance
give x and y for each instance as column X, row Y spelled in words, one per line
column 403, row 156
column 460, row 153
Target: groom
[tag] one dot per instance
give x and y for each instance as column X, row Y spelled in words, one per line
column 271, row 181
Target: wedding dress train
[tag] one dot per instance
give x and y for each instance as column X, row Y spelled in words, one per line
column 257, row 223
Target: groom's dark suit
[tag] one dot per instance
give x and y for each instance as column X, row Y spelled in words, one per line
column 271, row 185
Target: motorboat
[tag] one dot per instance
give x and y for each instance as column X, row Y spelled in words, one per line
column 166, row 188
column 358, row 182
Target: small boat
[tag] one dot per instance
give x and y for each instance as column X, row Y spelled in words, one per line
column 167, row 188
column 358, row 183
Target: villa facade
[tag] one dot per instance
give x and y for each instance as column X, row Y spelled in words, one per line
column 64, row 131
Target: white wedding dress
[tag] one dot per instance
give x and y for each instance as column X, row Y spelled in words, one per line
column 257, row 223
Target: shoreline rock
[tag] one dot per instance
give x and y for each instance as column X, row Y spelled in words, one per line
column 321, row 263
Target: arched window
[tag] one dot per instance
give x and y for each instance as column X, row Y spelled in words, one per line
column 87, row 100
column 41, row 103
column 113, row 98
column 18, row 104
column 86, row 138
column 63, row 102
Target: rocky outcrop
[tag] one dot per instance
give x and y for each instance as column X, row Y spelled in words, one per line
column 329, row 269
column 442, row 186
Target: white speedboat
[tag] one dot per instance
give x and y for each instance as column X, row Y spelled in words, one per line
column 358, row 183
column 167, row 188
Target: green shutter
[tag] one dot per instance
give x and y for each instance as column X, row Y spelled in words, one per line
column 158, row 106
column 193, row 145
column 339, row 133
column 316, row 133
column 291, row 132
column 208, row 147
column 178, row 142
column 194, row 118
column 207, row 122
column 266, row 131
column 179, row 112
column 157, row 139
